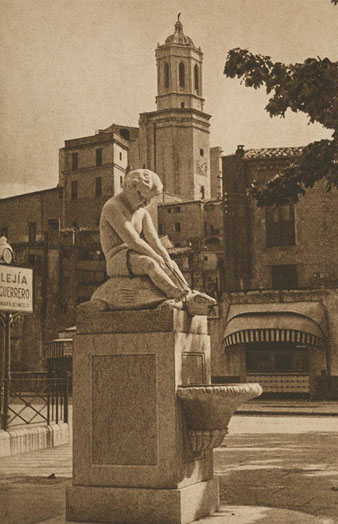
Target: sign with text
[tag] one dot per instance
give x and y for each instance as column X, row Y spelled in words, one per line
column 16, row 289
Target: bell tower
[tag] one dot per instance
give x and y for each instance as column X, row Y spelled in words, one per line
column 174, row 139
column 179, row 72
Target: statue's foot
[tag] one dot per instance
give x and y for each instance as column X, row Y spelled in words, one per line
column 198, row 303
column 171, row 303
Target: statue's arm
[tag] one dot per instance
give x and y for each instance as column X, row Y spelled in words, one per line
column 151, row 236
column 128, row 234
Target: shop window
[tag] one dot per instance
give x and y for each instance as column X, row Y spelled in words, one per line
column 75, row 161
column 276, row 358
column 99, row 157
column 280, row 225
column 284, row 277
column 74, row 190
column 98, row 186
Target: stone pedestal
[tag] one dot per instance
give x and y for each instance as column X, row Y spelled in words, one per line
column 131, row 454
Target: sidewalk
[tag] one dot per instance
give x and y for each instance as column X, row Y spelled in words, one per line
column 282, row 478
column 327, row 408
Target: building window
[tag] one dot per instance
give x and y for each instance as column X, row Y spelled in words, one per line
column 166, row 75
column 169, row 210
column 160, row 229
column 74, row 190
column 75, row 161
column 120, row 156
column 4, row 232
column 182, row 105
column 181, row 74
column 201, row 152
column 121, row 181
column 32, row 232
column 284, row 277
column 196, row 78
column 74, row 223
column 177, row 209
column 280, row 225
column 99, row 157
column 177, row 227
column 98, row 186
column 202, row 192
column 60, row 193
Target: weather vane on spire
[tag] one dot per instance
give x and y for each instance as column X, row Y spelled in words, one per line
column 178, row 17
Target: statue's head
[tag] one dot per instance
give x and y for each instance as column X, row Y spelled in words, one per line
column 142, row 185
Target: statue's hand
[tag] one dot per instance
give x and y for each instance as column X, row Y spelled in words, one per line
column 160, row 261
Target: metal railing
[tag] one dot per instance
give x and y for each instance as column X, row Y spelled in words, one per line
column 34, row 400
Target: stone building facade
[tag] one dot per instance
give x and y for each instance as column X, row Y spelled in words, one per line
column 279, row 315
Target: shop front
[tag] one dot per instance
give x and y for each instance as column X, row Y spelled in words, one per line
column 280, row 345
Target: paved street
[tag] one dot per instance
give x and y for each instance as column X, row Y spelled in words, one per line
column 283, row 462
column 286, row 462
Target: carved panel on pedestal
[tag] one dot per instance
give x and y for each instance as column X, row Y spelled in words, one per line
column 124, row 410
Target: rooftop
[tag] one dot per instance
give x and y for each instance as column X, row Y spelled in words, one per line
column 273, row 152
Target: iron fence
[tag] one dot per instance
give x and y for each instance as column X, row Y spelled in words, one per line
column 36, row 400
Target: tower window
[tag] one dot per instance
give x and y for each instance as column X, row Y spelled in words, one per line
column 98, row 186
column 181, row 74
column 196, row 78
column 166, row 75
column 99, row 157
column 201, row 152
column 202, row 192
column 120, row 156
column 75, row 161
column 74, row 190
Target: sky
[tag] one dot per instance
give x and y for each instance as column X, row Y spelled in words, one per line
column 71, row 67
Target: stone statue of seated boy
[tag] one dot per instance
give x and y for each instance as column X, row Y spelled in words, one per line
column 142, row 274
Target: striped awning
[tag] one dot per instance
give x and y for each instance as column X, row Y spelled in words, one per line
column 300, row 323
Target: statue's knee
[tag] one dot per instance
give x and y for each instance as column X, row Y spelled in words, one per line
column 147, row 264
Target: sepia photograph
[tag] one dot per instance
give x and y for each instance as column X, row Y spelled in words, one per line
column 169, row 262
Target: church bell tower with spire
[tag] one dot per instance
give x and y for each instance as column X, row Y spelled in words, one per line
column 174, row 139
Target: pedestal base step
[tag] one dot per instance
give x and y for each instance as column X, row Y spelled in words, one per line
column 146, row 506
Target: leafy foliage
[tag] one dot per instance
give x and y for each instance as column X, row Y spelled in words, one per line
column 310, row 87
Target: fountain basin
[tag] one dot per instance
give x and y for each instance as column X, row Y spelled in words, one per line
column 208, row 409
